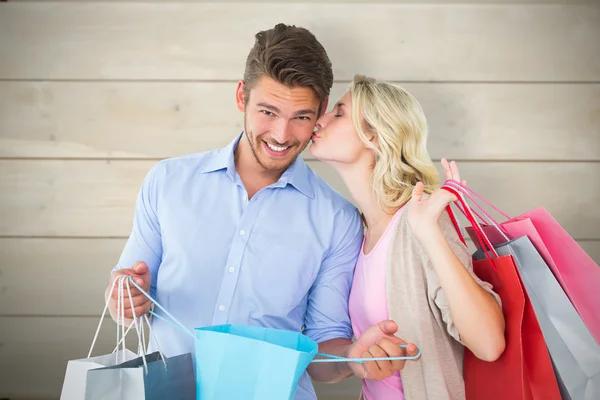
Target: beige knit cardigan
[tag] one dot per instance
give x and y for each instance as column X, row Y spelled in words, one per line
column 418, row 304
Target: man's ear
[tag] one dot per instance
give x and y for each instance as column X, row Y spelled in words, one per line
column 240, row 96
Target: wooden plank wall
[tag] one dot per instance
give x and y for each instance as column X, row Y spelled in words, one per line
column 92, row 94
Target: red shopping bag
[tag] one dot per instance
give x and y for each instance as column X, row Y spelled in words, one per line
column 574, row 269
column 524, row 370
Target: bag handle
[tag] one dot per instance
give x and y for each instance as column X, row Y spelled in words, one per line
column 332, row 358
column 469, row 192
column 140, row 332
column 328, row 357
column 481, row 236
column 119, row 313
column 455, row 223
column 180, row 325
column 490, row 220
column 119, row 282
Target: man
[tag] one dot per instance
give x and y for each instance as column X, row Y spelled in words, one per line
column 248, row 234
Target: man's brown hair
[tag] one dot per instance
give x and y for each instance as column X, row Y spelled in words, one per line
column 291, row 56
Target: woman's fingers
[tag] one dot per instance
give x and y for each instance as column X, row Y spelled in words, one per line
column 418, row 190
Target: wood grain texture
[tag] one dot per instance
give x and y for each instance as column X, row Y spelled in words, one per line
column 34, row 351
column 520, row 2
column 60, row 277
column 417, row 42
column 96, row 198
column 166, row 119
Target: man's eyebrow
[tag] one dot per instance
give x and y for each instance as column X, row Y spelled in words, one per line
column 268, row 106
column 306, row 111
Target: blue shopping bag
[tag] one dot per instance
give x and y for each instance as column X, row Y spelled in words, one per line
column 250, row 362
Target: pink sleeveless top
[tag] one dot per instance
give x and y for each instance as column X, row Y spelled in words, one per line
column 368, row 306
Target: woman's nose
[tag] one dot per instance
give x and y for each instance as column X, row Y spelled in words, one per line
column 321, row 122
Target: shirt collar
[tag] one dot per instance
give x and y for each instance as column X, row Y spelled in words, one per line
column 296, row 174
column 223, row 158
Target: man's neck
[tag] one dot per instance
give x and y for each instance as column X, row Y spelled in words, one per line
column 253, row 175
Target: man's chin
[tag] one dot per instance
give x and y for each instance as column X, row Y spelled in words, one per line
column 279, row 165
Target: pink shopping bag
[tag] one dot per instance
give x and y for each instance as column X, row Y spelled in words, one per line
column 577, row 273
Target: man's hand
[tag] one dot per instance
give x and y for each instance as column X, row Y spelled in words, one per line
column 141, row 276
column 378, row 342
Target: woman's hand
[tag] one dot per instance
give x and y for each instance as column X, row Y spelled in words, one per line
column 423, row 214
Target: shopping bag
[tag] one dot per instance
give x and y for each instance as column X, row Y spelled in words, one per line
column 125, row 375
column 75, row 376
column 158, row 379
column 574, row 352
column 250, row 362
column 74, row 383
column 574, row 269
column 524, row 370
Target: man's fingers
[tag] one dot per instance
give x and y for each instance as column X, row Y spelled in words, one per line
column 384, row 366
column 134, row 291
column 139, row 281
column 139, row 311
column 129, row 272
column 137, row 301
column 412, row 350
column 392, row 348
column 372, row 370
column 142, row 281
column 141, row 268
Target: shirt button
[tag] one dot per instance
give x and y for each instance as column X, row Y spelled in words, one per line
column 231, row 269
column 222, row 308
column 242, row 232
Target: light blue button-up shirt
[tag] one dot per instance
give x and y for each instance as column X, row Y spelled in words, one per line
column 283, row 259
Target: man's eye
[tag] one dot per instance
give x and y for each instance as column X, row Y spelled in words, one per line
column 304, row 118
column 269, row 113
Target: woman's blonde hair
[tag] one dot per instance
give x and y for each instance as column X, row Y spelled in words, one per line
column 397, row 122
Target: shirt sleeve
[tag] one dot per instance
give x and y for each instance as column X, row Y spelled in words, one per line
column 327, row 312
column 144, row 243
column 462, row 253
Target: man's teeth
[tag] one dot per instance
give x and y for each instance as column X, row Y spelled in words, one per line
column 276, row 148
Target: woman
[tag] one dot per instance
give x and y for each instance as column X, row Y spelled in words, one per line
column 412, row 268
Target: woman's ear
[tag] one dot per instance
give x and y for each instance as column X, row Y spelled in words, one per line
column 372, row 138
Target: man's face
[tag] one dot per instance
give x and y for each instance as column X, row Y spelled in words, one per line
column 278, row 121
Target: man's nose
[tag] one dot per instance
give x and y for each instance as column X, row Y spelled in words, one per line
column 281, row 133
